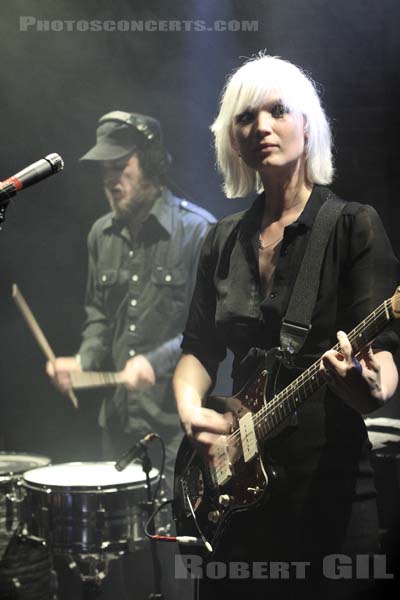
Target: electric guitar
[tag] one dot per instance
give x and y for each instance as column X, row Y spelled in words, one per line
column 207, row 494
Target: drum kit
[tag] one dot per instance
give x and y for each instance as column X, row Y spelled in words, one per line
column 88, row 513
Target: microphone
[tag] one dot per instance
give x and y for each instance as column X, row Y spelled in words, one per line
column 134, row 451
column 51, row 164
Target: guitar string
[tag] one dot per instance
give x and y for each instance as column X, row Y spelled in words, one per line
column 312, row 371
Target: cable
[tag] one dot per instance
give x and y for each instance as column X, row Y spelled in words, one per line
column 181, row 539
column 152, row 517
column 162, row 467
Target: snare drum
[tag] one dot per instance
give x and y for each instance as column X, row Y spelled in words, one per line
column 12, row 466
column 86, row 508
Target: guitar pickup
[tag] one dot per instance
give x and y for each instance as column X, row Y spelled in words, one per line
column 248, row 437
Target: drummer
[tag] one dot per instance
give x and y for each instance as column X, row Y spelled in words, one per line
column 142, row 264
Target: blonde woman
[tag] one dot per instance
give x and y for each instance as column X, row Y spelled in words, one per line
column 273, row 137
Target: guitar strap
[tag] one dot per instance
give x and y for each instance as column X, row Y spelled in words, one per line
column 297, row 321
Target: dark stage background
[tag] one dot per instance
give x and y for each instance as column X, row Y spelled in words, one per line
column 55, row 85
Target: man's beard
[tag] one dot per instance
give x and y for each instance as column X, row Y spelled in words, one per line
column 130, row 209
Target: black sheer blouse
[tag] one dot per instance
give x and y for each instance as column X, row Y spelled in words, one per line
column 327, row 454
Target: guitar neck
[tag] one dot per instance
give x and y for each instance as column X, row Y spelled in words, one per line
column 94, row 379
column 286, row 402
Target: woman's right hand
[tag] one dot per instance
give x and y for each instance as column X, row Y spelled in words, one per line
column 206, row 428
column 59, row 370
column 203, row 426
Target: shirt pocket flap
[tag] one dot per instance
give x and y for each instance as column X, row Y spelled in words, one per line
column 107, row 277
column 168, row 276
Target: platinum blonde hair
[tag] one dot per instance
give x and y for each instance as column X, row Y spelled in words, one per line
column 249, row 87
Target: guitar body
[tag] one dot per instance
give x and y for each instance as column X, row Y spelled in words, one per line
column 207, row 494
column 215, row 502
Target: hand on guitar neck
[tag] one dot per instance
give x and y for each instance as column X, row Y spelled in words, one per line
column 66, row 374
column 365, row 383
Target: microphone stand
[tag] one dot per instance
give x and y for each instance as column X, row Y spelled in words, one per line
column 149, row 507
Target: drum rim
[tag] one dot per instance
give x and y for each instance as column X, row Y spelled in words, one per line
column 15, row 473
column 85, row 488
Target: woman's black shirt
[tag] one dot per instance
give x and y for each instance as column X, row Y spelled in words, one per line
column 326, row 457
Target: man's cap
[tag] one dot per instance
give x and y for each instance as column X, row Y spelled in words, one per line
column 120, row 133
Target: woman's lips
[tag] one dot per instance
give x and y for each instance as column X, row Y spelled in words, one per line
column 265, row 148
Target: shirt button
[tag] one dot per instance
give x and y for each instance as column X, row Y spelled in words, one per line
column 133, row 302
column 273, row 295
column 131, row 253
column 104, row 278
column 132, row 352
column 168, row 278
column 135, row 277
column 132, row 327
column 284, row 252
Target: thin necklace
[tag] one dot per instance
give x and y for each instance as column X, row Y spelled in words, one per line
column 262, row 246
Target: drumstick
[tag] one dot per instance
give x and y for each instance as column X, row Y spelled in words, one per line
column 37, row 332
column 92, row 379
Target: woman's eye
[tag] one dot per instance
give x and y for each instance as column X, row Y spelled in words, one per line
column 245, row 117
column 279, row 110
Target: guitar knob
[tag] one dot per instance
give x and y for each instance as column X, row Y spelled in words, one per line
column 224, row 500
column 214, row 516
column 255, row 491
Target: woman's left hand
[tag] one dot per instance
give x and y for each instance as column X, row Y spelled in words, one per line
column 358, row 382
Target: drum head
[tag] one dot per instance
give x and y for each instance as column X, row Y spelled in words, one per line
column 13, row 463
column 86, row 475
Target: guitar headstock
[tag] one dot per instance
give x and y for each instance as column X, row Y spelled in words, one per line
column 395, row 302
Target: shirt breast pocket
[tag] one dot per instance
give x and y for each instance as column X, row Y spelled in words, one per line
column 112, row 284
column 170, row 284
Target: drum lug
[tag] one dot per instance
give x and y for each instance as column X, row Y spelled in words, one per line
column 46, row 521
column 18, row 494
column 100, row 518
